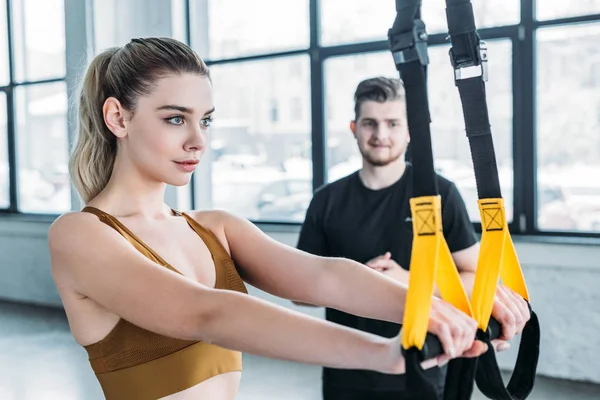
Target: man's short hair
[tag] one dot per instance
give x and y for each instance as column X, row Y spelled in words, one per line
column 380, row 89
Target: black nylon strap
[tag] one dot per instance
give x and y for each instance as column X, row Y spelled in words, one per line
column 417, row 109
column 460, row 18
column 462, row 30
column 406, row 13
column 477, row 123
column 460, row 379
column 488, row 377
column 416, row 380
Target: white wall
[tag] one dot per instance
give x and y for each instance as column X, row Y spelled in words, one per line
column 563, row 281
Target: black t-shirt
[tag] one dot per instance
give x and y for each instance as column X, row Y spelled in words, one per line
column 347, row 219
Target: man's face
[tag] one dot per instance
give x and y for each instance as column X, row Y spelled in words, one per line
column 381, row 131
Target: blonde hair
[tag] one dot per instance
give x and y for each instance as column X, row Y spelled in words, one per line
column 124, row 73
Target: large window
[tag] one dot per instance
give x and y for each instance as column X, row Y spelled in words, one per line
column 543, row 107
column 568, row 122
column 284, row 73
column 260, row 140
column 33, row 103
column 241, row 28
column 351, row 21
column 261, row 148
column 550, row 9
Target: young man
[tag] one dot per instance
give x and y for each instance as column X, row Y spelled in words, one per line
column 366, row 217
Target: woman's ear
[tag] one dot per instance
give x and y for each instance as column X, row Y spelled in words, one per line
column 114, row 117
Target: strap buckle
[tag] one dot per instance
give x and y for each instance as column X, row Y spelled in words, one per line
column 411, row 45
column 470, row 68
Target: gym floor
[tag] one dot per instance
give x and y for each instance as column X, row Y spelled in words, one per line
column 40, row 361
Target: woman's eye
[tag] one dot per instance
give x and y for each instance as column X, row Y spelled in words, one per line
column 177, row 120
column 206, row 121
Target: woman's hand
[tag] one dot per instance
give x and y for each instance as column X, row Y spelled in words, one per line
column 455, row 330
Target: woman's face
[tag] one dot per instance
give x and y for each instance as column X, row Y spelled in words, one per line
column 167, row 134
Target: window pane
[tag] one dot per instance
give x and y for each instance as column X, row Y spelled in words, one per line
column 568, row 122
column 551, row 9
column 116, row 22
column 42, row 148
column 39, row 39
column 239, row 27
column 346, row 21
column 4, row 77
column 4, row 197
column 451, row 147
column 260, row 139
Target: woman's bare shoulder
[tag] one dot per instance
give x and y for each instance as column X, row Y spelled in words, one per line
column 211, row 219
column 216, row 221
column 70, row 224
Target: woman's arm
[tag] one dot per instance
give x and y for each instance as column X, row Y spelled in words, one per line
column 289, row 273
column 337, row 283
column 100, row 264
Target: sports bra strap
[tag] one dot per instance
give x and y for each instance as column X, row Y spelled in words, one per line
column 214, row 245
column 129, row 236
column 210, row 239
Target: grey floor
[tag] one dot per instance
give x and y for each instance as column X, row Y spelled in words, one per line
column 40, row 361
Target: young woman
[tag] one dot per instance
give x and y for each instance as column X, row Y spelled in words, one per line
column 157, row 296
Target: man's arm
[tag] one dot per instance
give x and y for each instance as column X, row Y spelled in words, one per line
column 466, row 264
column 461, row 239
column 460, row 236
column 465, row 260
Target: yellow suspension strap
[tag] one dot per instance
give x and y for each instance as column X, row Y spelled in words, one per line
column 497, row 258
column 431, row 260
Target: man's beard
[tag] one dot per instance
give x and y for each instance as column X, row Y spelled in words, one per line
column 380, row 161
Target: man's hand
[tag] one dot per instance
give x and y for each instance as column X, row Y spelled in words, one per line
column 389, row 267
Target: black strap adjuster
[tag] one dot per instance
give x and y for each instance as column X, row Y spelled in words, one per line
column 408, row 46
column 471, row 67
